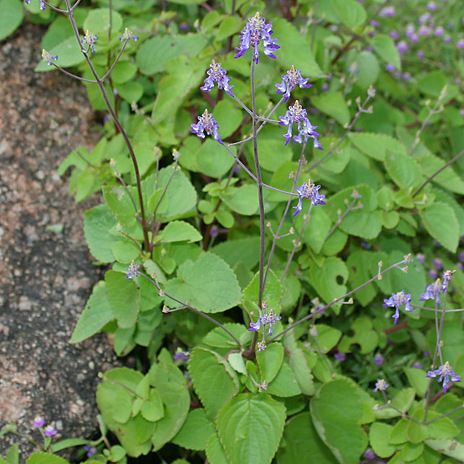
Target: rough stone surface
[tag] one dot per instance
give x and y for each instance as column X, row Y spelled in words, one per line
column 45, row 277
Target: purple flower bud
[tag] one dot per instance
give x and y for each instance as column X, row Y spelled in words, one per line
column 91, row 450
column 48, row 57
column 394, row 35
column 462, row 113
column 387, row 12
column 38, row 420
column 219, row 75
column 447, row 39
column 132, row 270
column 397, row 300
column 438, row 264
column 290, row 81
column 381, row 385
column 420, row 257
column 390, row 68
column 417, row 365
column 424, row 31
column 90, row 39
column 413, row 38
column 369, row 454
column 420, row 54
column 127, row 35
column 460, row 44
column 311, row 191
column 42, row 4
column 375, row 23
column 340, row 356
column 255, row 31
column 433, row 273
column 50, row 431
column 431, row 6
column 439, row 31
column 424, row 18
column 378, row 359
column 402, row 47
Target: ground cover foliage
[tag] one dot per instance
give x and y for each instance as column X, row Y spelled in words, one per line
column 280, row 226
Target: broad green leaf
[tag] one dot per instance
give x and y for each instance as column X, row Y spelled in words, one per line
column 152, row 409
column 285, row 383
column 379, row 437
column 195, row 431
column 376, row 145
column 215, row 451
column 68, row 52
column 245, row 250
column 451, row 448
column 432, row 83
column 270, row 360
column 301, row 439
column 336, row 410
column 442, row 427
column 385, row 47
column 131, row 92
column 215, row 382
column 99, row 19
column 360, row 264
column 220, row 339
column 250, row 427
column 123, row 72
column 179, row 231
column 228, row 117
column 242, row 200
column 447, row 178
column 272, row 293
column 208, row 284
column 417, row 379
column 403, row 169
column 125, row 251
column 124, row 298
column 368, row 69
column 440, row 222
column 11, row 17
column 334, row 105
column 172, row 388
column 98, row 222
column 350, row 12
column 295, row 49
column 97, row 313
column 41, row 457
column 364, row 335
column 314, row 235
column 325, row 278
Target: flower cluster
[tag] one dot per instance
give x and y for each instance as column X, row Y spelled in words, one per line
column 297, row 115
column 432, row 291
column 206, row 123
column 133, row 270
column 270, row 318
column 290, row 81
column 397, row 300
column 311, row 191
column 219, row 75
column 48, row 57
column 127, row 35
column 255, row 31
column 48, row 431
column 90, row 39
column 381, row 385
column 446, row 373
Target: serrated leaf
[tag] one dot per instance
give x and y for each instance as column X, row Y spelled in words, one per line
column 451, row 448
column 124, row 298
column 272, row 293
column 215, row 451
column 270, row 361
column 220, row 339
column 11, row 17
column 403, row 169
column 350, row 12
column 179, row 231
column 242, row 200
column 41, row 457
column 208, row 284
column 336, row 410
column 213, row 379
column 334, row 105
column 284, row 383
column 325, row 278
column 447, row 178
column 441, row 223
column 195, row 431
column 301, row 439
column 172, row 388
column 376, row 145
column 250, row 427
column 385, row 47
column 245, row 250
column 97, row 313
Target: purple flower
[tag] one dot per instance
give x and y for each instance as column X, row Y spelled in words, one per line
column 381, row 385
column 432, row 292
column 132, row 270
column 413, row 38
column 397, row 300
column 447, row 39
column 261, row 346
column 460, row 44
column 90, row 39
column 270, row 318
column 402, row 47
column 38, row 422
column 433, row 274
column 445, row 372
column 297, row 115
column 390, row 68
column 91, row 450
column 461, row 254
column 439, row 31
column 420, row 54
column 437, row 264
column 378, row 359
column 127, row 35
column 48, row 57
column 206, row 123
column 431, row 6
column 340, row 356
column 290, row 81
column 311, row 191
column 420, row 257
column 181, row 355
column 394, row 35
column 255, row 31
column 374, row 23
column 50, row 431
column 369, row 454
column 416, row 365
column 424, row 18
column 219, row 75
column 387, row 12
column 424, row 31
column 42, row 4
column 406, row 76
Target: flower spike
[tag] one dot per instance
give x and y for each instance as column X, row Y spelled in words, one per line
column 290, row 81
column 206, row 123
column 219, row 75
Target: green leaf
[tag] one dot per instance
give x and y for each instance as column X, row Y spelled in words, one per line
column 285, row 383
column 11, row 17
column 325, row 278
column 179, row 231
column 270, row 361
column 376, row 145
column 215, row 451
column 99, row 19
column 417, row 379
column 447, row 178
column 295, row 49
column 208, row 284
column 170, row 383
column 441, row 223
column 218, row 338
column 403, row 169
column 41, row 457
column 333, row 104
column 245, row 250
column 301, row 439
column 68, row 52
column 336, row 410
column 242, row 200
column 195, row 432
column 124, row 298
column 432, row 83
column 368, row 69
column 228, row 117
column 152, row 409
column 250, row 427
column 379, row 437
column 315, row 235
column 123, row 71
column 451, row 448
column 385, row 47
column 97, row 313
column 272, row 293
column 215, row 382
column 98, row 222
column 350, row 12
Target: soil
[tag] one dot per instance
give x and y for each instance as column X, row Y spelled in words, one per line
column 45, row 277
